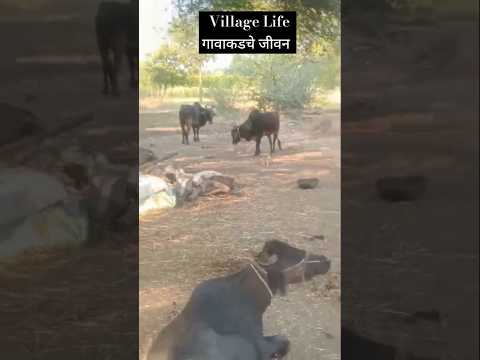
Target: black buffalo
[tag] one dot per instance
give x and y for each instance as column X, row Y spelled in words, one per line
column 116, row 28
column 194, row 116
column 296, row 265
column 257, row 125
column 223, row 320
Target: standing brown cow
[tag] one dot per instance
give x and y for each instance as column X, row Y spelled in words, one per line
column 257, row 125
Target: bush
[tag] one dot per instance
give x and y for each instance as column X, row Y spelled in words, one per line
column 224, row 89
column 276, row 81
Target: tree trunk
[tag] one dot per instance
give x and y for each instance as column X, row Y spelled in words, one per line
column 200, row 85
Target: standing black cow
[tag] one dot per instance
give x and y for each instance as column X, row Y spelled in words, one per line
column 116, row 27
column 194, row 116
column 223, row 320
column 256, row 126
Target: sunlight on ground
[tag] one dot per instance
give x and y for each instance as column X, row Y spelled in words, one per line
column 330, row 99
column 163, row 129
column 301, row 156
column 334, row 97
column 156, row 102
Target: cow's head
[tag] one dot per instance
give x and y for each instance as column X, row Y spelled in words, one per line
column 295, row 264
column 209, row 112
column 275, row 250
column 235, row 135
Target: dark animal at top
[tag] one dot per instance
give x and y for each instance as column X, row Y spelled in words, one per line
column 223, row 320
column 295, row 264
column 194, row 116
column 116, row 27
column 257, row 125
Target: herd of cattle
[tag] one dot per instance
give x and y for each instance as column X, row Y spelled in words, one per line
column 257, row 125
column 223, row 319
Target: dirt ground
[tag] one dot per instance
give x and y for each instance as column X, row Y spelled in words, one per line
column 73, row 303
column 418, row 256
column 216, row 236
column 53, row 303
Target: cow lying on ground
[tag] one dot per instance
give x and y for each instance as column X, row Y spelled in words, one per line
column 223, row 320
column 194, row 116
column 256, row 126
column 116, row 28
column 295, row 264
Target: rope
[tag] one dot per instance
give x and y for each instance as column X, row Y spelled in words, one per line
column 262, row 280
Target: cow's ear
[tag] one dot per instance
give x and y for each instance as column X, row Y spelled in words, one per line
column 277, row 282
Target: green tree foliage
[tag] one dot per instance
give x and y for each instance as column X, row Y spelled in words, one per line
column 284, row 81
column 273, row 81
column 225, row 89
column 277, row 80
column 165, row 68
column 318, row 21
column 184, row 33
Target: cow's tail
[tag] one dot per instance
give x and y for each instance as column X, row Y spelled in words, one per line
column 279, row 143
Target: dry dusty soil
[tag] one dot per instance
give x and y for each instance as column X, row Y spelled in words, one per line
column 215, row 236
column 73, row 303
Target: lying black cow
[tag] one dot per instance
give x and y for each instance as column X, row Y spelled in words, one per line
column 194, row 116
column 256, row 126
column 295, row 264
column 116, row 27
column 223, row 320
